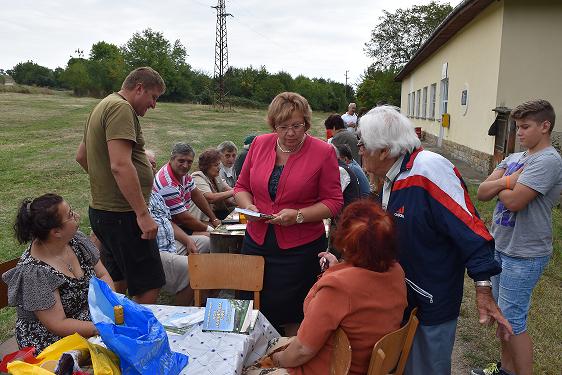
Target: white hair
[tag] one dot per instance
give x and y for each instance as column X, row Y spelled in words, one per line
column 384, row 127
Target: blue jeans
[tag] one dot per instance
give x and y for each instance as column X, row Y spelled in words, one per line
column 512, row 288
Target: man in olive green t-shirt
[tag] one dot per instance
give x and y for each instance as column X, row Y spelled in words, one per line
column 112, row 153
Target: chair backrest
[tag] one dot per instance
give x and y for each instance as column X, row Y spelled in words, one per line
column 226, row 271
column 341, row 356
column 3, row 287
column 391, row 352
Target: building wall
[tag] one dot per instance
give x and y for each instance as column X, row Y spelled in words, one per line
column 531, row 55
column 473, row 57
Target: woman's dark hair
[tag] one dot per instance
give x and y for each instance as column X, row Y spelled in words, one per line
column 207, row 158
column 36, row 217
column 334, row 122
column 365, row 234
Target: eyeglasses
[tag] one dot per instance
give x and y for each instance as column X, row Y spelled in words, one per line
column 72, row 216
column 286, row 128
column 360, row 143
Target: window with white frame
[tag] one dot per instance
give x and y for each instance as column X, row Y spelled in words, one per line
column 444, row 95
column 409, row 112
column 432, row 92
column 418, row 99
column 424, row 103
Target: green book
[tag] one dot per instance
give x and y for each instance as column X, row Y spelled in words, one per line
column 229, row 315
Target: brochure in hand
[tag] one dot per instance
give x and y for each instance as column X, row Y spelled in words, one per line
column 254, row 213
column 229, row 315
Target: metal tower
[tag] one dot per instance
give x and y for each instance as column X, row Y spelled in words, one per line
column 221, row 53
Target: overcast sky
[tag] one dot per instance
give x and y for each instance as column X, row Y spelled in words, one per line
column 316, row 38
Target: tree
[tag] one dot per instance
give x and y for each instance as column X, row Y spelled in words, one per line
column 397, row 37
column 30, row 73
column 150, row 48
column 106, row 68
column 378, row 85
column 77, row 77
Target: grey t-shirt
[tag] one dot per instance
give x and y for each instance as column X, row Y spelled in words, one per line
column 528, row 232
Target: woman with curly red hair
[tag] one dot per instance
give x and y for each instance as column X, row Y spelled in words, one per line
column 365, row 295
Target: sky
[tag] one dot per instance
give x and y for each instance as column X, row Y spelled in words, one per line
column 315, row 38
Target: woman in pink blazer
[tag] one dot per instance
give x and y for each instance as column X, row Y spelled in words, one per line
column 295, row 178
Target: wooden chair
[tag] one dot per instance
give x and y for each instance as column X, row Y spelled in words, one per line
column 341, row 357
column 226, row 271
column 10, row 345
column 391, row 352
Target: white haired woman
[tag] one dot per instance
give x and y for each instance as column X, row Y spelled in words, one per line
column 439, row 231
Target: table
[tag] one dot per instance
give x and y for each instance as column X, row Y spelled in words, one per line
column 224, row 240
column 216, row 353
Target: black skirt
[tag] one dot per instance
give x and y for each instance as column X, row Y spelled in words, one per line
column 289, row 275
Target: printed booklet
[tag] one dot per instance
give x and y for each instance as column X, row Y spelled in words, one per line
column 229, row 315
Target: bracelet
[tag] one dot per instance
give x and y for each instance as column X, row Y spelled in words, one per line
column 486, row 283
column 507, row 182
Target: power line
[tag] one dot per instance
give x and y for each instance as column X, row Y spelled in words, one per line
column 221, row 52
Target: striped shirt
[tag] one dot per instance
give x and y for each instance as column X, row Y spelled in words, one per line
column 176, row 194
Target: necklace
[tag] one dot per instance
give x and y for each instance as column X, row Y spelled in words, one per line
column 67, row 264
column 293, row 150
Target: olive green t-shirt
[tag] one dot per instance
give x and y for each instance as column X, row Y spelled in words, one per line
column 113, row 118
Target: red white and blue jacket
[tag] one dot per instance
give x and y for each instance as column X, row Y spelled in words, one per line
column 439, row 235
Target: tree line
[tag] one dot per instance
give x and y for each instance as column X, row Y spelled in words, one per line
column 107, row 65
column 394, row 41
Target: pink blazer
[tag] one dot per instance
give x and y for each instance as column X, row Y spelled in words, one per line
column 310, row 176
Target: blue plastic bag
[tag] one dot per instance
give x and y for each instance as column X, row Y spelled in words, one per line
column 141, row 343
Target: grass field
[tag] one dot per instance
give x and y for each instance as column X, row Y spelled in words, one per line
column 38, row 141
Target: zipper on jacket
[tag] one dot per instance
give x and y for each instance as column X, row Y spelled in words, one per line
column 419, row 290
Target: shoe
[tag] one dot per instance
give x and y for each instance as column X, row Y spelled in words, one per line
column 491, row 369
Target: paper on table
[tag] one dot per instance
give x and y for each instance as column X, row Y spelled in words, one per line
column 180, row 323
column 236, row 227
column 253, row 213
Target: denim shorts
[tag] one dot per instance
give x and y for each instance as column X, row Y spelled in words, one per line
column 512, row 288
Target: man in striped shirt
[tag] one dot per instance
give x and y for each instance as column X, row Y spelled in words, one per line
column 176, row 186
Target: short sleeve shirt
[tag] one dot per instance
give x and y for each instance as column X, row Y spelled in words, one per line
column 203, row 183
column 528, row 232
column 176, row 193
column 112, row 119
column 374, row 309
column 161, row 215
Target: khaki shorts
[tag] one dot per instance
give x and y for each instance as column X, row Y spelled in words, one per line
column 176, row 271
column 176, row 264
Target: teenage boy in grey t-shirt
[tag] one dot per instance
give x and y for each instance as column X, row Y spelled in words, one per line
column 527, row 186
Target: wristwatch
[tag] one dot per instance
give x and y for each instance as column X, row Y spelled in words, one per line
column 487, row 283
column 300, row 217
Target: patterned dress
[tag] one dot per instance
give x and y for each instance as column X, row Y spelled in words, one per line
column 31, row 287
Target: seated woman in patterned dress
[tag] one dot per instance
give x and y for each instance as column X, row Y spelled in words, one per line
column 49, row 285
column 365, row 295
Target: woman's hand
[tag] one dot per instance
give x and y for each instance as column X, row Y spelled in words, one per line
column 252, row 207
column 285, row 217
column 327, row 260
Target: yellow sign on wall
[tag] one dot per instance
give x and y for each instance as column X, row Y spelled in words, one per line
column 445, row 120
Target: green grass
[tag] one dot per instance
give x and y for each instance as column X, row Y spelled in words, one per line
column 39, row 137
